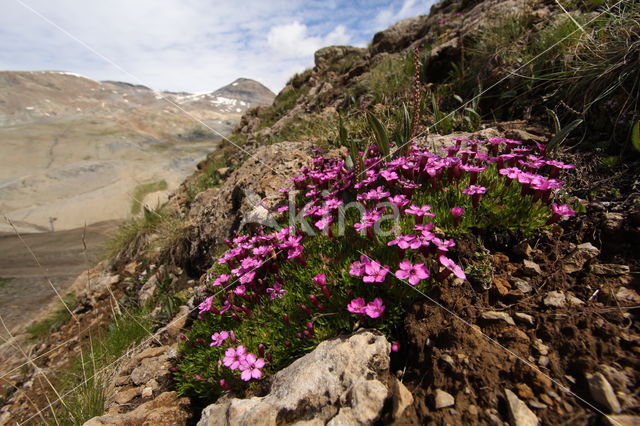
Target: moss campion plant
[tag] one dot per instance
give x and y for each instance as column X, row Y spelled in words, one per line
column 355, row 249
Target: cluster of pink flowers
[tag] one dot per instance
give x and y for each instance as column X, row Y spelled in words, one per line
column 253, row 261
column 248, row 363
column 370, row 270
column 373, row 309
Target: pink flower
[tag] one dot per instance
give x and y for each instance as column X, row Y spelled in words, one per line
column 325, row 222
column 375, row 273
column 419, row 211
column 376, row 194
column 451, row 266
column 276, row 291
column 369, row 218
column 395, row 346
column 562, row 210
column 356, row 306
column 389, row 175
column 333, row 203
column 250, row 367
column 511, row 172
column 474, row 189
column 247, row 277
column 240, row 290
column 399, row 200
column 320, row 279
column 413, row 273
column 225, row 307
column 357, row 267
column 559, row 211
column 205, row 306
column 222, row 279
column 234, row 357
column 294, row 252
column 375, row 308
column 219, row 338
column 262, row 250
column 475, row 192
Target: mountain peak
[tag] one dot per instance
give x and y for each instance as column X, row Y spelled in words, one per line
column 247, row 90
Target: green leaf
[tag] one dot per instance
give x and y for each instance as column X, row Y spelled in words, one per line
column 556, row 121
column 348, row 162
column 635, row 136
column 380, row 134
column 562, row 135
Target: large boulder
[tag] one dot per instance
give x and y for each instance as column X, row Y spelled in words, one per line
column 400, row 35
column 335, row 56
column 343, row 381
column 167, row 409
column 216, row 212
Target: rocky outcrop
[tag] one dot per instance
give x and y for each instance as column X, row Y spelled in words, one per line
column 399, row 35
column 166, row 410
column 335, row 56
column 218, row 211
column 343, row 381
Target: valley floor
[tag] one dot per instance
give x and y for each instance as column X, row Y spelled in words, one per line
column 24, row 288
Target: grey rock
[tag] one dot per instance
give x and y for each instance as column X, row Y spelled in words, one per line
column 399, row 35
column 147, row 290
column 126, row 395
column 609, row 269
column 164, row 410
column 602, row 392
column 575, row 260
column 259, row 216
column 613, row 221
column 555, row 299
column 574, row 300
column 537, row 404
column 540, row 347
column 402, row 398
column 627, row 296
column 524, row 317
column 338, row 382
column 215, row 212
column 447, row 358
column 523, row 286
column 621, row 420
column 519, row 413
column 224, row 171
column 531, row 268
column 523, row 249
column 174, row 328
column 147, row 392
column 497, row 316
column 334, row 56
column 443, row 399
column 150, row 368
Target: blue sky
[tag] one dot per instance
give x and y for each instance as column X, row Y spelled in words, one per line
column 187, row 45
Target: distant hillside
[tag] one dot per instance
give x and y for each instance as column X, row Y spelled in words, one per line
column 73, row 149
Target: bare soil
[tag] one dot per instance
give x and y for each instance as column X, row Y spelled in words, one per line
column 24, row 285
column 449, row 346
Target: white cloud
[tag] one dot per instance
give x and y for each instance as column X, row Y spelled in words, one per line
column 293, row 41
column 184, row 45
column 409, row 8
